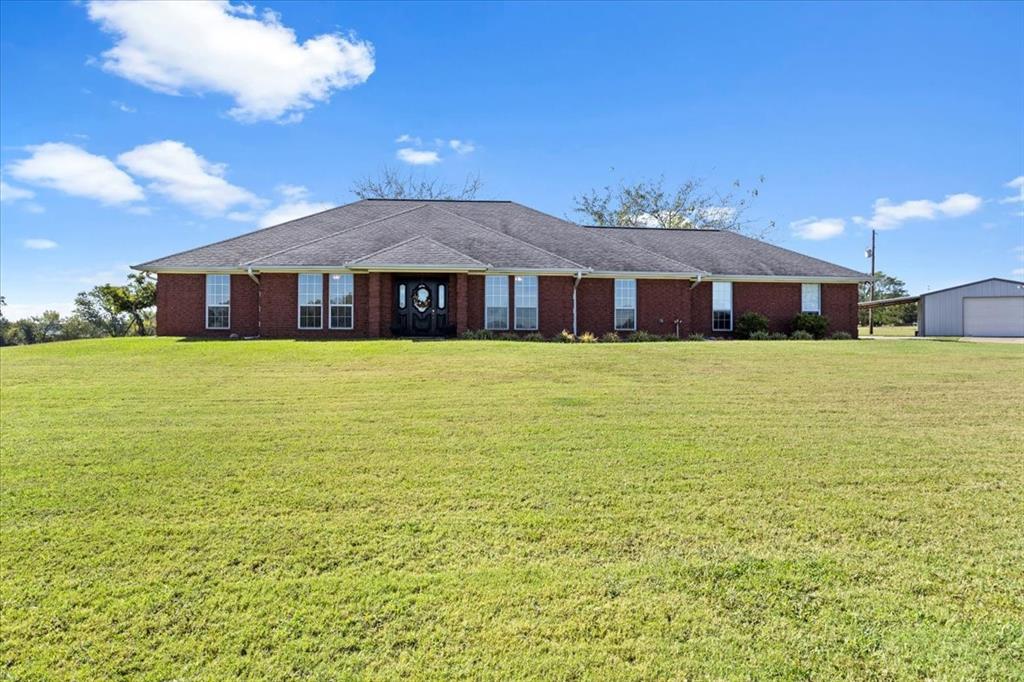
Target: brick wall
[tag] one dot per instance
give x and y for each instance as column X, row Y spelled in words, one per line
column 279, row 308
column 272, row 309
column 181, row 306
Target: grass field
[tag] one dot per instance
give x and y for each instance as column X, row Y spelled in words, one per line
column 497, row 510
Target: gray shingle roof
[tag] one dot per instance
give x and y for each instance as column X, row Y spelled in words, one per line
column 495, row 234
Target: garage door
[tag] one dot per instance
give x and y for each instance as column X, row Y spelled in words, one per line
column 1002, row 316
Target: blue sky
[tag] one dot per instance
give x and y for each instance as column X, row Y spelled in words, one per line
column 131, row 131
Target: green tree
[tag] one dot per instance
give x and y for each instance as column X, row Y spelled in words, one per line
column 690, row 205
column 888, row 286
column 119, row 309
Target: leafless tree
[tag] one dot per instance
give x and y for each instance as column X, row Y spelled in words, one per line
column 390, row 183
column 648, row 203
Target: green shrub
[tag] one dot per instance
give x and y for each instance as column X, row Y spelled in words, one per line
column 508, row 336
column 778, row 336
column 587, row 337
column 611, row 337
column 640, row 336
column 815, row 325
column 842, row 336
column 566, row 336
column 669, row 337
column 477, row 335
column 535, row 337
column 801, row 335
column 759, row 336
column 751, row 323
column 696, row 337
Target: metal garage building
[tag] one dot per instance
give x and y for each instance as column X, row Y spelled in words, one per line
column 991, row 307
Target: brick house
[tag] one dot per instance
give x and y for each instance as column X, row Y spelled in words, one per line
column 380, row 268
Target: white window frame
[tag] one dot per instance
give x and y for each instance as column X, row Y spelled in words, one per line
column 494, row 297
column 227, row 280
column 527, row 287
column 339, row 279
column 804, row 289
column 301, row 305
column 625, row 295
column 719, row 309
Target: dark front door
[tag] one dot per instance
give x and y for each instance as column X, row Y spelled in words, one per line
column 421, row 307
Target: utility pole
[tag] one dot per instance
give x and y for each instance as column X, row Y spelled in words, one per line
column 871, row 311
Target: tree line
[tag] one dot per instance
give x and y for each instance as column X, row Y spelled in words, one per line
column 106, row 310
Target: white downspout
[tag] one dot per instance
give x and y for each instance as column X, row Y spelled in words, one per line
column 575, row 283
column 694, row 285
column 259, row 303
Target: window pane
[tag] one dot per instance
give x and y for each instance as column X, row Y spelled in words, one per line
column 526, row 318
column 625, row 293
column 721, row 296
column 441, row 296
column 310, row 316
column 341, row 316
column 217, row 317
column 810, row 298
column 311, row 289
column 218, row 289
column 526, row 301
column 401, row 296
column 721, row 321
column 496, row 302
column 625, row 319
column 341, row 290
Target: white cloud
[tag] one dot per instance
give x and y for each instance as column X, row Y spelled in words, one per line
column 177, row 172
column 292, row 192
column 39, row 244
column 74, row 171
column 818, row 229
column 19, row 311
column 418, row 157
column 9, row 194
column 1018, row 184
column 292, row 210
column 407, row 138
column 121, row 106
column 888, row 215
column 461, row 147
column 215, row 46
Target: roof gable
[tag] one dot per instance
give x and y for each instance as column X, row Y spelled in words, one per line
column 419, row 251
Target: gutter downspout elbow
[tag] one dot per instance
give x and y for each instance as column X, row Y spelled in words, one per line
column 699, row 278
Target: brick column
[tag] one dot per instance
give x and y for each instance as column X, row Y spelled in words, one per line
column 461, row 302
column 373, row 307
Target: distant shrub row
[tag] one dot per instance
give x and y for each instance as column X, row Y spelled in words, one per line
column 633, row 337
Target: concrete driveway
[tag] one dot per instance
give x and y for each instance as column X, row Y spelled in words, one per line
column 992, row 339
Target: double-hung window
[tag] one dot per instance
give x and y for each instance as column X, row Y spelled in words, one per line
column 218, row 301
column 496, row 302
column 721, row 306
column 526, row 302
column 342, row 300
column 311, row 295
column 625, row 304
column 810, row 298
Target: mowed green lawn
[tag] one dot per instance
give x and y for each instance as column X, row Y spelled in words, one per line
column 495, row 510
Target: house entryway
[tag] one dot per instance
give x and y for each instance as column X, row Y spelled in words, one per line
column 421, row 307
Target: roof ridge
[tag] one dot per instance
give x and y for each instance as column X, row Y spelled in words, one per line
column 333, row 234
column 521, row 241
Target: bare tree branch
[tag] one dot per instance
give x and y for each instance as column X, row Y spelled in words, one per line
column 390, row 183
column 647, row 203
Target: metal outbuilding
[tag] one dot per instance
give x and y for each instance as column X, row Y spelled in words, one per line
column 990, row 307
